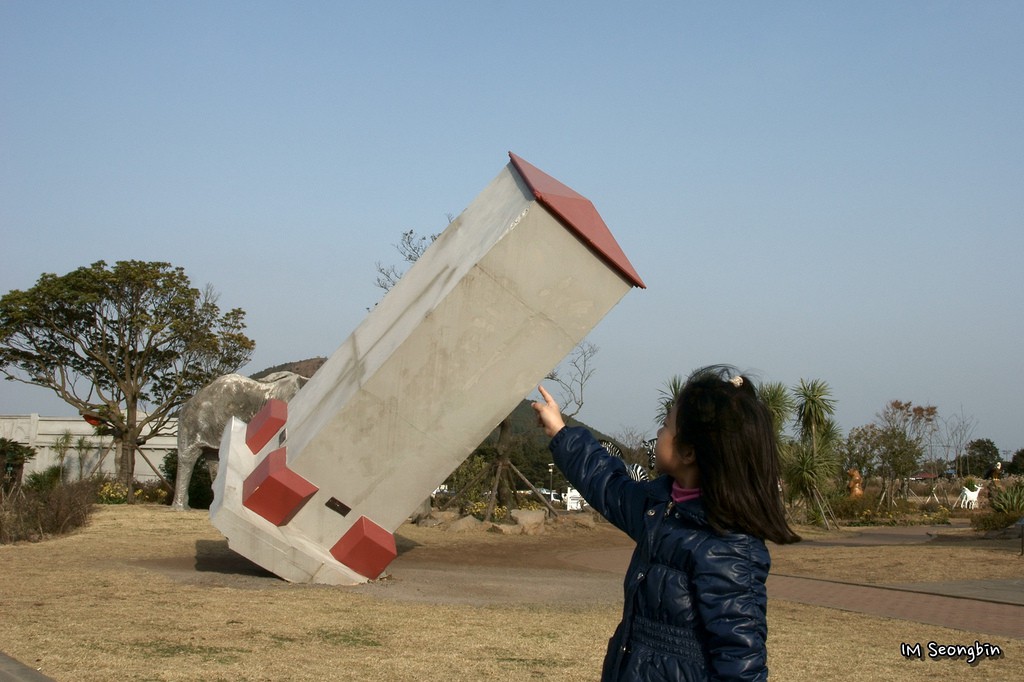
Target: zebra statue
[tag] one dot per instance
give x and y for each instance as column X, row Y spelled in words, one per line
column 636, row 472
column 649, row 447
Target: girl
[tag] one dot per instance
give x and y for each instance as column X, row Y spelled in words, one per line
column 695, row 594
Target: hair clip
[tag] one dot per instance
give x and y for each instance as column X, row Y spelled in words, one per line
column 736, row 381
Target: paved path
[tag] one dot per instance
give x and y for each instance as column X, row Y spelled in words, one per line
column 992, row 607
column 13, row 671
column 969, row 613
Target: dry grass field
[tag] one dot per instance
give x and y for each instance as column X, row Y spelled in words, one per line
column 145, row 593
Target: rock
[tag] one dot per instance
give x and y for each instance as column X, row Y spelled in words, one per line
column 531, row 520
column 422, row 512
column 588, row 520
column 465, row 524
column 444, row 516
column 505, row 528
column 584, row 520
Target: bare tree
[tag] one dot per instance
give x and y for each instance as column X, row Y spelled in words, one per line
column 954, row 433
column 632, row 441
column 410, row 247
column 573, row 375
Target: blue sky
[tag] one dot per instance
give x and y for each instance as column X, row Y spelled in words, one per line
column 810, row 190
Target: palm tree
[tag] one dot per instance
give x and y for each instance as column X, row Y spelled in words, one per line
column 61, row 445
column 668, row 395
column 811, row 462
column 780, row 402
column 82, row 447
column 813, row 409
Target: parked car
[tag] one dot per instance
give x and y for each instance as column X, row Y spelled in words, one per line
column 552, row 495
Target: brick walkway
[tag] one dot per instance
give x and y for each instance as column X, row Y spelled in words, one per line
column 993, row 607
column 959, row 612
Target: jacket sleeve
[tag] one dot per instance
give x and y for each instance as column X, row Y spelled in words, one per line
column 729, row 581
column 601, row 479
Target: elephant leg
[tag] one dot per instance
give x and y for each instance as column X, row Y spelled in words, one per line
column 212, row 464
column 186, row 462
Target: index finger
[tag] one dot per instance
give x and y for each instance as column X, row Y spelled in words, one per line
column 544, row 394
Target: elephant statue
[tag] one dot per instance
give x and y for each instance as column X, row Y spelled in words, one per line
column 205, row 415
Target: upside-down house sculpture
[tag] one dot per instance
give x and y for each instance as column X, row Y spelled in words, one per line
column 313, row 490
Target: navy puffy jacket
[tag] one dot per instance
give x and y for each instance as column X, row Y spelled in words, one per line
column 695, row 600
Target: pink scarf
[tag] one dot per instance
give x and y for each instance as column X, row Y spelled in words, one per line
column 681, row 494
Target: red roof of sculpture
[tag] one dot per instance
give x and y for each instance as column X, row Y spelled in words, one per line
column 578, row 214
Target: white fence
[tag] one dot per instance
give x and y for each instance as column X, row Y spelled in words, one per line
column 97, row 453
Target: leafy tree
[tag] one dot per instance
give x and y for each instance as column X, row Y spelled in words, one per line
column 900, row 454
column 124, row 345
column 904, row 429
column 863, row 449
column 1016, row 466
column 980, row 455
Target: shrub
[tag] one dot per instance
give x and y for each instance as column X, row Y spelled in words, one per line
column 34, row 514
column 1009, row 500
column 200, row 488
column 994, row 520
column 934, row 515
column 866, row 511
column 112, row 492
column 479, row 508
column 151, row 492
column 47, row 479
column 846, row 507
column 532, row 504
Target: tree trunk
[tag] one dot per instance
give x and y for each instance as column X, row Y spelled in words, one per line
column 126, row 456
column 119, row 469
column 504, row 494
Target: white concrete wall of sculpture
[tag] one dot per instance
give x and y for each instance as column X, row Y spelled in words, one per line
column 500, row 298
column 42, row 433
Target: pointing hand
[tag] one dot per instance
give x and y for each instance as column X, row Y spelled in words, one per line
column 549, row 415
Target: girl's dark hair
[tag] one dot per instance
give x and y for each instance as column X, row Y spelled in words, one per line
column 730, row 430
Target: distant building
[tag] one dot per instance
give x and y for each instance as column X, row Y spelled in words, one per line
column 573, row 500
column 41, row 433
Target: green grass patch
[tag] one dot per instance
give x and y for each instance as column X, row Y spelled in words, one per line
column 354, row 637
column 169, row 649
